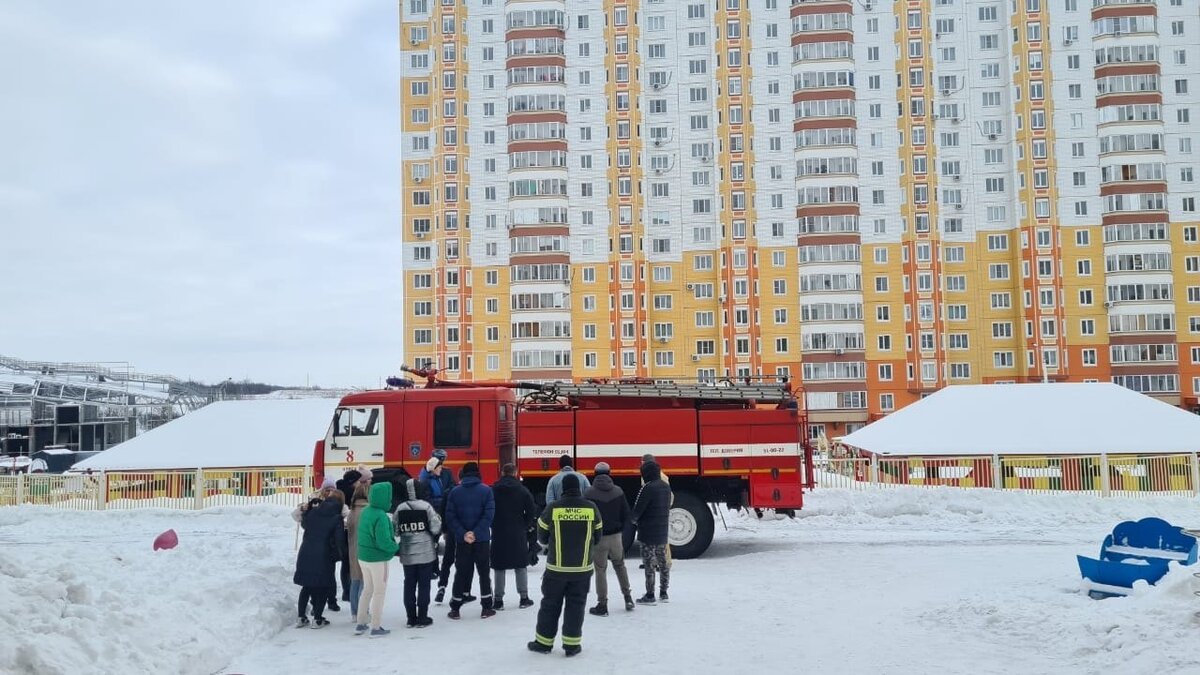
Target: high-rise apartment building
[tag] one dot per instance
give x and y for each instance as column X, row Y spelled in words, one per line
column 876, row 198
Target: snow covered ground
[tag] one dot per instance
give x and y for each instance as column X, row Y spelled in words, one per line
column 897, row 581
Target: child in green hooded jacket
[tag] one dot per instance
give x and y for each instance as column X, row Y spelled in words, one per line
column 376, row 546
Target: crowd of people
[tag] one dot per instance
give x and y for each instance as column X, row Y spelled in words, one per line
column 467, row 526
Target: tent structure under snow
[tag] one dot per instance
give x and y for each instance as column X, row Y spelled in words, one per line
column 1031, row 419
column 225, row 435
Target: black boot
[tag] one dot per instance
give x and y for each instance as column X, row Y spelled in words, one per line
column 601, row 609
column 535, row 646
column 572, row 650
column 628, row 602
column 647, row 599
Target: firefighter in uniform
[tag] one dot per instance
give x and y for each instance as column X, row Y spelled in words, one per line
column 568, row 529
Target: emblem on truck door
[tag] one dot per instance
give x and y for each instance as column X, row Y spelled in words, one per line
column 414, row 449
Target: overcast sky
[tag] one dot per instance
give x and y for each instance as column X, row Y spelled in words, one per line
column 208, row 189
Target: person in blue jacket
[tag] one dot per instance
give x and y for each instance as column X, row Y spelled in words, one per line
column 439, row 481
column 470, row 508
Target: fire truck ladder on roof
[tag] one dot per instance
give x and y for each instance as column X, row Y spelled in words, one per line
column 721, row 391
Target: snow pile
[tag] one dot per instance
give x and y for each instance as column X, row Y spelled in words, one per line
column 890, row 581
column 226, row 434
column 84, row 592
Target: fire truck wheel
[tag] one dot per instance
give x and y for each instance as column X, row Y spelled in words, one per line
column 691, row 526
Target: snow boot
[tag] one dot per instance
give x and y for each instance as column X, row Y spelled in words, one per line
column 487, row 613
column 412, row 622
column 454, row 614
column 601, row 609
column 628, row 602
column 647, row 599
column 441, row 595
column 572, row 650
column 498, row 605
column 320, row 622
column 424, row 622
column 302, row 622
column 525, row 602
column 535, row 646
column 662, row 595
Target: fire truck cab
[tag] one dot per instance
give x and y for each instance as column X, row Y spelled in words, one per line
column 740, row 445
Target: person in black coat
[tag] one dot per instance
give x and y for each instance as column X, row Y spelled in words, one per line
column 515, row 515
column 651, row 514
column 324, row 544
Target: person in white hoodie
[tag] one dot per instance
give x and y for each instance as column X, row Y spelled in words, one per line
column 418, row 527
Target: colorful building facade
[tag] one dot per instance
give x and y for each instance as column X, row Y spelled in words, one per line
column 875, row 198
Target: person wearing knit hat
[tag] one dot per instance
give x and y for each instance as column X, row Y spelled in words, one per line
column 470, row 509
column 614, row 509
column 329, row 483
column 324, row 531
column 568, row 528
column 439, row 481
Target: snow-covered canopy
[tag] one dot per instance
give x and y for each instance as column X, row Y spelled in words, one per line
column 1032, row 419
column 227, row 434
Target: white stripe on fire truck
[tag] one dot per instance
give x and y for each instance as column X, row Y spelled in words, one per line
column 715, row 450
column 733, row 450
column 609, row 450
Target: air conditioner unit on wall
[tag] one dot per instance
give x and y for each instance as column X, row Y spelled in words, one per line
column 992, row 137
column 695, row 357
column 662, row 340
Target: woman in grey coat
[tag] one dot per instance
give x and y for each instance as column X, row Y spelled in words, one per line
column 418, row 527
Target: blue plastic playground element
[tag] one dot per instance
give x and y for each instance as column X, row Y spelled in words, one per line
column 1136, row 551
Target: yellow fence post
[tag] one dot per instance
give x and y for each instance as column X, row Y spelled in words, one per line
column 198, row 489
column 1105, row 480
column 1195, row 474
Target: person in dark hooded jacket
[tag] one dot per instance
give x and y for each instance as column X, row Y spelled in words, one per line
column 470, row 509
column 515, row 514
column 651, row 514
column 322, row 547
column 614, row 509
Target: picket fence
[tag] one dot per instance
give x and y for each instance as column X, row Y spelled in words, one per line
column 199, row 489
column 1103, row 475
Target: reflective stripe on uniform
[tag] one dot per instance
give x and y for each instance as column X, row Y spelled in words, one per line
column 571, row 641
column 548, row 641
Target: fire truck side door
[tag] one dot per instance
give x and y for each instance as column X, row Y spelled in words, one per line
column 356, row 437
column 455, row 427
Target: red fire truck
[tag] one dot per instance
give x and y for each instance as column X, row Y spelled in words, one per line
column 740, row 443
